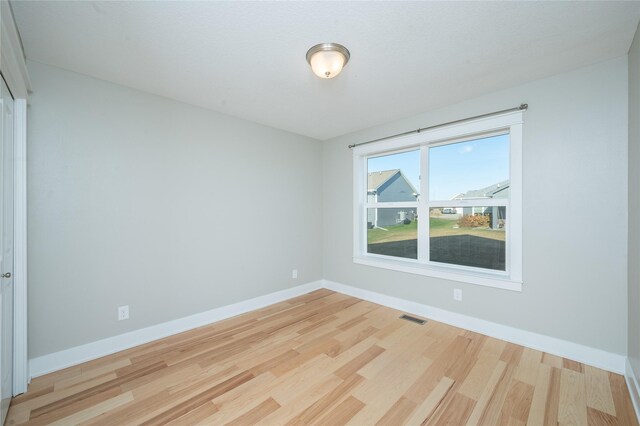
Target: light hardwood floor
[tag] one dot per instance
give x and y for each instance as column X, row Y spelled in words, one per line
column 330, row 359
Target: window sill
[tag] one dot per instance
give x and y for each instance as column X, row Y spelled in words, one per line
column 411, row 267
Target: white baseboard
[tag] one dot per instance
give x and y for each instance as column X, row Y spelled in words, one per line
column 574, row 351
column 79, row 354
column 634, row 388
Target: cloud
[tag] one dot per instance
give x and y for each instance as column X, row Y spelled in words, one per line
column 466, row 149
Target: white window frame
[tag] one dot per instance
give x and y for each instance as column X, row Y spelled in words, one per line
column 507, row 123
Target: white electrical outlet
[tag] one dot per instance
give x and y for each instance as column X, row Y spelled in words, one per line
column 457, row 294
column 123, row 313
column 294, row 274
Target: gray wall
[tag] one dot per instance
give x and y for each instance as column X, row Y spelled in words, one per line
column 634, row 205
column 136, row 199
column 575, row 211
column 140, row 200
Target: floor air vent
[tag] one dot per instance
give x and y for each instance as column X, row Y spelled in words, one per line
column 413, row 319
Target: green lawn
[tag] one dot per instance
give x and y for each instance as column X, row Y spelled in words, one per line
column 439, row 228
column 441, row 223
column 394, row 233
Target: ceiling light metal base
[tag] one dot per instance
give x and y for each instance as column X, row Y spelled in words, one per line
column 329, row 47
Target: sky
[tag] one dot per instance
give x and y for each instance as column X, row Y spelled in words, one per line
column 453, row 168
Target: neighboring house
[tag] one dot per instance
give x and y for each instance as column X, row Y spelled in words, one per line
column 497, row 190
column 389, row 186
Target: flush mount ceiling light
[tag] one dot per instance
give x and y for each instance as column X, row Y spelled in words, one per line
column 327, row 59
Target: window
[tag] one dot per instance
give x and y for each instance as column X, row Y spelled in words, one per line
column 444, row 203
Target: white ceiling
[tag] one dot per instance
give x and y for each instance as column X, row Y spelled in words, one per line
column 247, row 59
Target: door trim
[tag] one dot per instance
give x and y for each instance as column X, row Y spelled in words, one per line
column 14, row 70
column 20, row 345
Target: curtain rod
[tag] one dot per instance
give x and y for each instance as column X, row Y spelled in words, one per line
column 522, row 107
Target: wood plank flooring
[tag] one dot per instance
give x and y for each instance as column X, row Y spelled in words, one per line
column 326, row 358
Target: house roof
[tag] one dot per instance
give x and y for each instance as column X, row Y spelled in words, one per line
column 376, row 179
column 487, row 192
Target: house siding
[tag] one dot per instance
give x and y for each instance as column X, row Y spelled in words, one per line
column 396, row 189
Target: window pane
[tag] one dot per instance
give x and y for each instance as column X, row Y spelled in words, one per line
column 392, row 232
column 466, row 170
column 394, row 177
column 468, row 236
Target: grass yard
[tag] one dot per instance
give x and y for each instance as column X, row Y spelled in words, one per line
column 445, row 227
column 439, row 228
column 394, row 233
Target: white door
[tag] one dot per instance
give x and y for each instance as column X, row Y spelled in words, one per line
column 6, row 251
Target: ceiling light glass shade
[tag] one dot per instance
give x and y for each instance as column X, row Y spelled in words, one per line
column 327, row 59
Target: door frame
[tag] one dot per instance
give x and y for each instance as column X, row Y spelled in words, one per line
column 14, row 71
column 21, row 377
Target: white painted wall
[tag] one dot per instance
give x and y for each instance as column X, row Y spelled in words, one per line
column 634, row 207
column 575, row 211
column 172, row 209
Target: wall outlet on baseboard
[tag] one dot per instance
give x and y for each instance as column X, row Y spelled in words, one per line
column 123, row 312
column 294, row 273
column 457, row 294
